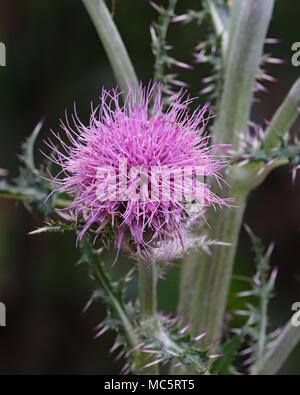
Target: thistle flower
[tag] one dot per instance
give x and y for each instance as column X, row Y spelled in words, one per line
column 107, row 166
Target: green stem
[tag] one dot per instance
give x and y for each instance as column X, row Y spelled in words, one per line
column 103, row 281
column 112, row 42
column 148, row 302
column 221, row 24
column 13, row 196
column 160, row 45
column 206, row 306
column 281, row 349
column 59, row 203
column 248, row 27
column 205, row 279
column 262, row 334
column 210, row 276
column 284, row 118
column 147, row 289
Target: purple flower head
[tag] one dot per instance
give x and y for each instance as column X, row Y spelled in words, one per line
column 135, row 170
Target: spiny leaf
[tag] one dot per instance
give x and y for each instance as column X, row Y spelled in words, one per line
column 28, row 147
column 229, row 349
column 54, row 227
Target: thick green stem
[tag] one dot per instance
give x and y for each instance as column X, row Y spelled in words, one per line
column 284, row 118
column 210, row 276
column 248, row 27
column 205, row 282
column 206, row 279
column 112, row 42
column 148, row 301
column 207, row 305
column 147, row 289
column 281, row 349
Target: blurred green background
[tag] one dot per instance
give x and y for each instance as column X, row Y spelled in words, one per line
column 54, row 58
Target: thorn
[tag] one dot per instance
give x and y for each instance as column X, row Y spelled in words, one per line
column 171, row 352
column 124, row 369
column 177, row 364
column 244, row 294
column 247, row 361
column 276, row 332
column 246, row 351
column 86, row 307
column 206, row 90
column 200, row 336
column 256, row 279
column 275, row 60
column 242, row 312
column 180, row 18
column 148, row 346
column 97, row 327
column 274, row 274
column 207, row 80
column 100, row 333
column 183, row 330
column 135, row 347
column 156, row 7
column 152, row 363
column 216, row 356
column 183, row 65
column 119, row 356
column 272, row 40
column 153, row 33
column 114, row 347
column 150, row 351
column 237, row 331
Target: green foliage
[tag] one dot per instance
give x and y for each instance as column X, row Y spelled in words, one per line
column 251, row 149
column 161, row 339
column 53, row 227
column 214, row 17
column 112, row 294
column 163, row 61
column 29, row 186
column 262, row 289
column 167, row 340
column 229, row 349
